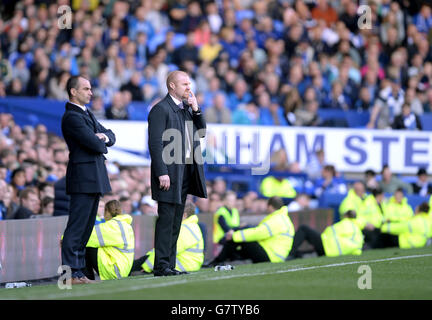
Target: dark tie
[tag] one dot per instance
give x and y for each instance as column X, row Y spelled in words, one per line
column 188, row 138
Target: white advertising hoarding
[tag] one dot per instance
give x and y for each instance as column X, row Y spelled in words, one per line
column 350, row 150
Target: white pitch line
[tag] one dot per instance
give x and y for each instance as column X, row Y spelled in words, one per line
column 186, row 279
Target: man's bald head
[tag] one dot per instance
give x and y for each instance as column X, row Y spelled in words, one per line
column 179, row 85
column 173, row 78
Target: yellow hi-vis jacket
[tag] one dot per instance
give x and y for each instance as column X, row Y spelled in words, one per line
column 190, row 248
column 370, row 213
column 270, row 186
column 351, row 202
column 274, row 233
column 412, row 233
column 116, row 242
column 430, row 206
column 343, row 238
column 394, row 211
column 232, row 220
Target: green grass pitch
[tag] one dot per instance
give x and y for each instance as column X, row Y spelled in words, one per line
column 394, row 274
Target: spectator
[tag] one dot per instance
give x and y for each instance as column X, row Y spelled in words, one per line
column 3, row 205
column 324, row 11
column 219, row 186
column 192, row 19
column 370, row 180
column 246, row 114
column 138, row 23
column 315, row 164
column 308, row 115
column 422, row 186
column 270, row 111
column 365, row 101
column 133, row 86
column 186, row 52
column 100, row 217
column 423, row 19
column 97, row 107
column 329, row 182
column 148, row 206
column 210, row 50
column 21, row 72
column 126, row 204
column 18, row 182
column 213, row 17
column 407, row 120
column 46, row 208
column 388, row 104
column 57, row 86
column 117, row 110
column 390, row 183
column 218, row 113
column 300, row 203
column 29, row 204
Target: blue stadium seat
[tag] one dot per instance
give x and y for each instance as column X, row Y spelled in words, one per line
column 179, row 39
column 244, row 14
column 357, row 119
column 331, row 200
column 414, row 200
column 426, row 120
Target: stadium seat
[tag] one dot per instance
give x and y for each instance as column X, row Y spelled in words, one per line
column 414, row 200
column 357, row 119
column 331, row 200
column 426, row 120
column 244, row 14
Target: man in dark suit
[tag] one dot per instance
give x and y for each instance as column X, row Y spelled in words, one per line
column 422, row 186
column 86, row 175
column 175, row 125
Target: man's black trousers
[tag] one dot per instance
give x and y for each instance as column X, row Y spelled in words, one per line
column 168, row 226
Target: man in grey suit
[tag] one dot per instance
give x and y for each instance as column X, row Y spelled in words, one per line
column 175, row 125
column 86, row 175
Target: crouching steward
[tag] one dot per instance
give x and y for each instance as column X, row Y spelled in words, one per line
column 110, row 249
column 226, row 218
column 342, row 238
column 270, row 240
column 411, row 233
column 190, row 246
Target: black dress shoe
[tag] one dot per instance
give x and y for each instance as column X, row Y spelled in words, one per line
column 164, row 272
column 177, row 272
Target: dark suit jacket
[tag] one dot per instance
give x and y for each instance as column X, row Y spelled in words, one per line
column 86, row 171
column 23, row 213
column 167, row 115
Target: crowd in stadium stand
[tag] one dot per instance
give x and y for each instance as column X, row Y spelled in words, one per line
column 251, row 62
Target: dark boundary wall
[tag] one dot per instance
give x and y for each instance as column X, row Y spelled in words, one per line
column 30, row 249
